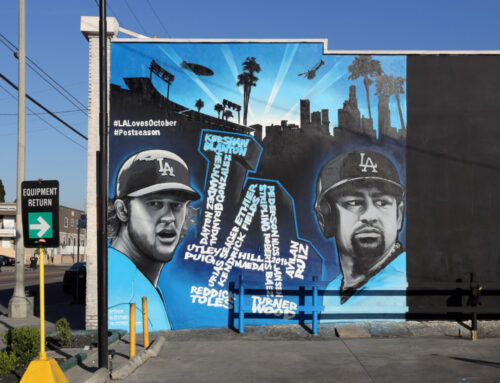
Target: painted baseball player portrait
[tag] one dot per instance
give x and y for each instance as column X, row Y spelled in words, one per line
column 149, row 216
column 360, row 202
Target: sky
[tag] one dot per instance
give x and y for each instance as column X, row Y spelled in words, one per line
column 54, row 42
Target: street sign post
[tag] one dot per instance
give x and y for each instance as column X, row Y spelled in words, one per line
column 40, row 211
column 40, row 214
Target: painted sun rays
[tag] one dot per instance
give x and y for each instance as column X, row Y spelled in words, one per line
column 172, row 55
column 286, row 61
column 328, row 79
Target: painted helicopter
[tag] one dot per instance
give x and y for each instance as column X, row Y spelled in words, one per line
column 310, row 74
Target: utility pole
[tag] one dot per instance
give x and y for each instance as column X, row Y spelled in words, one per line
column 19, row 307
column 102, row 193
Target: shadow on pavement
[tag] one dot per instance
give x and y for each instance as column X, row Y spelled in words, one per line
column 476, row 361
column 57, row 305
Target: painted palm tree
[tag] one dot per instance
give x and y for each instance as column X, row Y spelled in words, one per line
column 247, row 79
column 399, row 89
column 364, row 66
column 387, row 86
column 199, row 104
column 218, row 108
column 227, row 114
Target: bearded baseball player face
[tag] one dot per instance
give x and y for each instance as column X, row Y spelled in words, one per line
column 369, row 219
column 155, row 223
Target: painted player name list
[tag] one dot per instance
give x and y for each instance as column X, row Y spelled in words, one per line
column 259, row 202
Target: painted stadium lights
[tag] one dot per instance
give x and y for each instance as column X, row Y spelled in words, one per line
column 233, row 106
column 162, row 74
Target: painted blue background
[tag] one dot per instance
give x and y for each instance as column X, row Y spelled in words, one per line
column 275, row 97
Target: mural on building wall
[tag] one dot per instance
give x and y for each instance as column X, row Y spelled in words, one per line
column 270, row 162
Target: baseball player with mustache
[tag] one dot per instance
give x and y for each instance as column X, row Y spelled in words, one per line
column 360, row 202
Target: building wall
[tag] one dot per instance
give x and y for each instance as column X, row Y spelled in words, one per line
column 89, row 28
column 446, row 234
column 453, row 178
column 70, row 251
column 7, row 229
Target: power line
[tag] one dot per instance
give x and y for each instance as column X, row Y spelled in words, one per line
column 48, row 123
column 37, row 69
column 32, row 65
column 135, row 17
column 107, row 6
column 83, row 107
column 158, row 18
column 44, row 108
column 12, row 47
column 60, row 112
column 14, row 50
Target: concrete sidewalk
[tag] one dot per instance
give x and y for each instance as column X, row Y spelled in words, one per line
column 332, row 360
column 413, row 352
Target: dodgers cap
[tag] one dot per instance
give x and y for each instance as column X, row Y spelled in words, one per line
column 152, row 171
column 360, row 166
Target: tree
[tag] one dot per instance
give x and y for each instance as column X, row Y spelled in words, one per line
column 2, row 192
column 387, row 86
column 364, row 66
column 199, row 104
column 247, row 79
column 218, row 108
column 227, row 114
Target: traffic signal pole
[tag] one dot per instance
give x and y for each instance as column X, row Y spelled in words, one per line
column 102, row 193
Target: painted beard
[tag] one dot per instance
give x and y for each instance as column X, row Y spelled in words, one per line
column 367, row 250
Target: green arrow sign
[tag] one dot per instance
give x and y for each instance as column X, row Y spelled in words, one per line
column 40, row 225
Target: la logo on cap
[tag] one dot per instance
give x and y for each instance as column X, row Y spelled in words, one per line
column 367, row 164
column 165, row 168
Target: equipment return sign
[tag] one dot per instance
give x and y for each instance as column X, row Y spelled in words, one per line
column 40, row 211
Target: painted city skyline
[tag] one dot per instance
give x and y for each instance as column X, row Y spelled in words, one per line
column 279, row 86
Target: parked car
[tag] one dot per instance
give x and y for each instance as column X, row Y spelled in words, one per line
column 7, row 261
column 77, row 270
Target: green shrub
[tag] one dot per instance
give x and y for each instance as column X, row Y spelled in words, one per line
column 64, row 331
column 8, row 362
column 24, row 342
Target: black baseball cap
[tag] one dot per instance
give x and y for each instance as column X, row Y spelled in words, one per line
column 152, row 171
column 360, row 166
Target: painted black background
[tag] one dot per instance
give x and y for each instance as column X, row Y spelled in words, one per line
column 453, row 178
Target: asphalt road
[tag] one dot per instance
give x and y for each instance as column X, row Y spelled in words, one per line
column 53, row 274
column 57, row 303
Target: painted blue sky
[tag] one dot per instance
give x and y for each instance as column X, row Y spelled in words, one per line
column 279, row 88
column 55, row 43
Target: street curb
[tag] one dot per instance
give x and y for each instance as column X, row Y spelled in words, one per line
column 78, row 358
column 139, row 359
column 100, row 376
column 73, row 361
column 377, row 329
